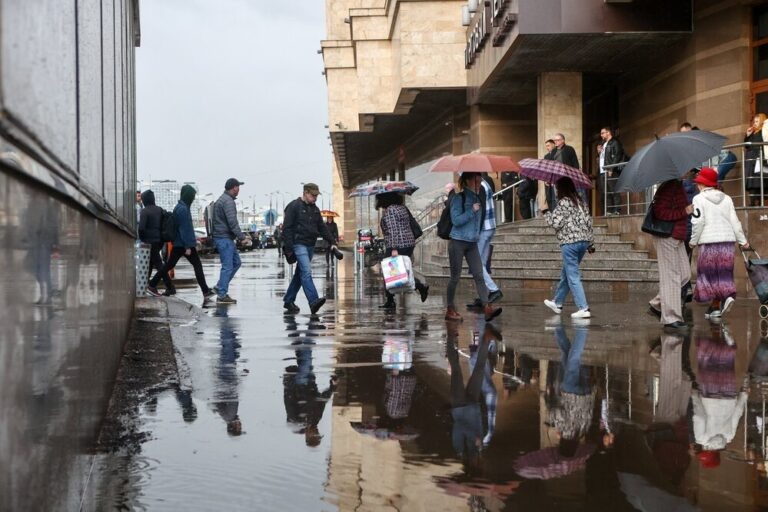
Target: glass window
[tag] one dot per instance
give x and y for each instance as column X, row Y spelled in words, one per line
column 760, row 27
column 761, row 62
column 761, row 102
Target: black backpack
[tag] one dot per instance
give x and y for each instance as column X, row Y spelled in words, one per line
column 444, row 225
column 168, row 227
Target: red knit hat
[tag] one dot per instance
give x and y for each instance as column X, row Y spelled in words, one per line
column 707, row 176
column 709, row 458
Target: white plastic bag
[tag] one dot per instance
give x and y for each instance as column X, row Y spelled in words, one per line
column 398, row 274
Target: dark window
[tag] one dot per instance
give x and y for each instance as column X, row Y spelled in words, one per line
column 761, row 102
column 760, row 28
column 761, row 62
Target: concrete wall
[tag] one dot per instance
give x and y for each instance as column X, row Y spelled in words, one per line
column 67, row 179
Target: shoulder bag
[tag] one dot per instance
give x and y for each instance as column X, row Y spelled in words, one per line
column 656, row 227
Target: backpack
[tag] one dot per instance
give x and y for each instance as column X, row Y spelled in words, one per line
column 167, row 227
column 444, row 225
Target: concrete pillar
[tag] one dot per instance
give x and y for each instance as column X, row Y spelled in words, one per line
column 559, row 110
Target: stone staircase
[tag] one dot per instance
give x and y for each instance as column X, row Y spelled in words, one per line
column 526, row 255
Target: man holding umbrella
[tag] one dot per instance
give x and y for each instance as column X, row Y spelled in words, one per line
column 302, row 224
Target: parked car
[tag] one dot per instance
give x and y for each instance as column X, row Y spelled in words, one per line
column 204, row 242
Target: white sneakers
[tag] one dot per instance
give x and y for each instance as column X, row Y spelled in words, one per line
column 726, row 305
column 582, row 313
column 554, row 307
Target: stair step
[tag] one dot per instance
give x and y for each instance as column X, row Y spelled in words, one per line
column 510, row 253
column 603, row 229
column 553, row 273
column 604, row 263
column 513, row 238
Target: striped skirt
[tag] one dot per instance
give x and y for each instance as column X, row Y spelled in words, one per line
column 714, row 272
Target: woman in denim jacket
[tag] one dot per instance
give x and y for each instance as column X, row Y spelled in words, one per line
column 465, row 217
column 573, row 225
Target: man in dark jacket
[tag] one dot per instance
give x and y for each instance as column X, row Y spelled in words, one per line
column 565, row 154
column 184, row 244
column 150, row 226
column 611, row 153
column 301, row 227
column 225, row 231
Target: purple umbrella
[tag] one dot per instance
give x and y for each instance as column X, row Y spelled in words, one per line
column 550, row 171
column 548, row 463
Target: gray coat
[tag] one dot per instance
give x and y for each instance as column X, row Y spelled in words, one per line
column 225, row 219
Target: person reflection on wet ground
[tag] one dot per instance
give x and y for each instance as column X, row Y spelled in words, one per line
column 570, row 392
column 304, row 403
column 226, row 400
column 520, row 371
column 718, row 401
column 467, row 433
column 487, row 388
column 42, row 238
column 756, row 407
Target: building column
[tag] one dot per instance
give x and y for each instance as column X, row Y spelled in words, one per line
column 559, row 110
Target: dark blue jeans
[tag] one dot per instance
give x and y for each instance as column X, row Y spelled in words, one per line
column 302, row 278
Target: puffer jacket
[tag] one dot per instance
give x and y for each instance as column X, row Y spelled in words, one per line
column 225, row 219
column 714, row 219
column 466, row 222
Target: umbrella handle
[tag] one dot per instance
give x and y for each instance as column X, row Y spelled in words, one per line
column 696, row 214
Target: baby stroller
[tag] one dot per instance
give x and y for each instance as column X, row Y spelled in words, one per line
column 757, row 270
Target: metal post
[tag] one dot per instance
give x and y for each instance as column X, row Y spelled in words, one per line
column 743, row 177
column 762, row 171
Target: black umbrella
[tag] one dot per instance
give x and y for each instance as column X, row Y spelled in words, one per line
column 668, row 158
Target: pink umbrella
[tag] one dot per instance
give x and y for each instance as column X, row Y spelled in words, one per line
column 475, row 162
column 548, row 463
column 550, row 171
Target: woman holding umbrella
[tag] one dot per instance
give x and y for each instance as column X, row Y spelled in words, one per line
column 398, row 236
column 573, row 226
column 333, row 228
column 465, row 218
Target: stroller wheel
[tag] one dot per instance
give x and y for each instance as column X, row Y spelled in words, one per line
column 764, row 311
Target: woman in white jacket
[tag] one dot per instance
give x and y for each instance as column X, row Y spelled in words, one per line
column 715, row 227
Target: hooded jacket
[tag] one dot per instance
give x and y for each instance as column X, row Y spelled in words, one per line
column 714, row 219
column 185, row 231
column 150, row 219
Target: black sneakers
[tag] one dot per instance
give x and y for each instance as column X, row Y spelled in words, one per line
column 315, row 306
column 225, row 300
column 495, row 296
column 291, row 307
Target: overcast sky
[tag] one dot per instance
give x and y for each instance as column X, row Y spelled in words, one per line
column 233, row 88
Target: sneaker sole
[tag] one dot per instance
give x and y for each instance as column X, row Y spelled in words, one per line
column 727, row 306
column 553, row 308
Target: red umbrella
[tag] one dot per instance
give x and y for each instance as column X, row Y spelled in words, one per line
column 550, row 171
column 475, row 162
column 548, row 463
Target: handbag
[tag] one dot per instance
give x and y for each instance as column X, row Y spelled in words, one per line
column 656, row 227
column 415, row 227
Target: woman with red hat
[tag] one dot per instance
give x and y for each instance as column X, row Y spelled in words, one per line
column 715, row 227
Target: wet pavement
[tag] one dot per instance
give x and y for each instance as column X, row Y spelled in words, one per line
column 244, row 408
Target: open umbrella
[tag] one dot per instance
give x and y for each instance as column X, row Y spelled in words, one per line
column 549, row 171
column 383, row 187
column 548, row 463
column 328, row 213
column 668, row 158
column 475, row 162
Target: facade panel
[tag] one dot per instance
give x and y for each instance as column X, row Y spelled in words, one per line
column 89, row 94
column 108, row 87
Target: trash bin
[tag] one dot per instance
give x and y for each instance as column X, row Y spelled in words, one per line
column 141, row 260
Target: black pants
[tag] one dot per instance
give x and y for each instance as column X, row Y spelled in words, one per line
column 458, row 250
column 508, row 204
column 525, row 208
column 193, row 259
column 407, row 251
column 156, row 262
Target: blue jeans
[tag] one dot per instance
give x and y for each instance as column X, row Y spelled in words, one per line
column 302, row 278
column 725, row 166
column 575, row 377
column 484, row 246
column 570, row 277
column 230, row 263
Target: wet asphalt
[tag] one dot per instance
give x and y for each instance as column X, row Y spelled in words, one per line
column 241, row 407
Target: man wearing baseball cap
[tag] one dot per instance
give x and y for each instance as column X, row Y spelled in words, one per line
column 225, row 231
column 301, row 227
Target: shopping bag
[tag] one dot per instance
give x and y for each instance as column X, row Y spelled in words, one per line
column 398, row 274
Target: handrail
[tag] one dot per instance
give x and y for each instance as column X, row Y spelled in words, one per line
column 508, row 188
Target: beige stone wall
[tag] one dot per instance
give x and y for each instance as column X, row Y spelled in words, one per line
column 560, row 109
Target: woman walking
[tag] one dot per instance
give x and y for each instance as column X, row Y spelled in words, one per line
column 715, row 227
column 333, row 228
column 465, row 218
column 573, row 226
column 670, row 204
column 398, row 236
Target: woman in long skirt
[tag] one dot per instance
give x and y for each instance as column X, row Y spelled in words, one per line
column 715, row 228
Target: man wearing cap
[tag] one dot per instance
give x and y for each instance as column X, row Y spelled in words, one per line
column 225, row 231
column 301, row 226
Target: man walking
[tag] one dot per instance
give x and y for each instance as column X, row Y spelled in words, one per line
column 225, row 231
column 487, row 230
column 150, row 225
column 301, row 225
column 612, row 153
column 565, row 154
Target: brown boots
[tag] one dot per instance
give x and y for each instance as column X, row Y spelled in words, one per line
column 452, row 314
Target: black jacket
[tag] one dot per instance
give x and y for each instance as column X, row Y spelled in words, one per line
column 614, row 154
column 567, row 156
column 150, row 219
column 303, row 224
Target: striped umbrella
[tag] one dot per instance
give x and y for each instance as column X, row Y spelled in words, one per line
column 550, row 171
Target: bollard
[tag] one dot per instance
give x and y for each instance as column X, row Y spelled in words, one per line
column 141, row 260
